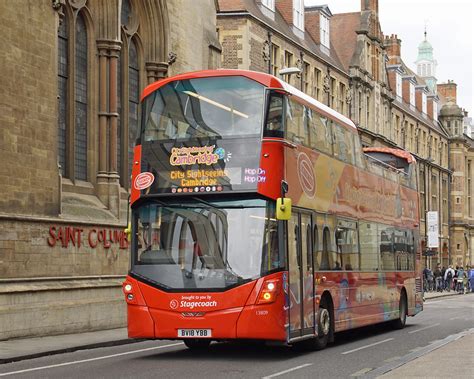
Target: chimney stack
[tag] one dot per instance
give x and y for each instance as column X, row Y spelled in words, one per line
column 448, row 90
column 394, row 46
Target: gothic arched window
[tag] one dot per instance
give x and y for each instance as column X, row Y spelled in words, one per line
column 133, row 100
column 63, row 68
column 73, row 96
column 128, row 94
column 80, row 80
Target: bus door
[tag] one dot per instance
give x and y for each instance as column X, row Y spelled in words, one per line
column 300, row 266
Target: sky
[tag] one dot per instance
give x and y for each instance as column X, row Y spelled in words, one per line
column 449, row 26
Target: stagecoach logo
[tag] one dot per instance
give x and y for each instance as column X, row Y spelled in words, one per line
column 306, row 175
column 143, row 180
column 174, row 304
column 196, row 155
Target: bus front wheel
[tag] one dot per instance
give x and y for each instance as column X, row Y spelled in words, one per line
column 324, row 325
column 197, row 344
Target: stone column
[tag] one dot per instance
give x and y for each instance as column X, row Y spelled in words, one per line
column 108, row 186
column 102, row 176
column 114, row 178
column 156, row 71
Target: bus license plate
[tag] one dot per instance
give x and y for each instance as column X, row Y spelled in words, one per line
column 194, row 333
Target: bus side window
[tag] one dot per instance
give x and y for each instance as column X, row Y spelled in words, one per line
column 316, row 249
column 359, row 156
column 344, row 144
column 320, row 133
column 274, row 124
column 325, row 264
column 387, row 258
column 368, row 246
column 295, row 120
column 309, row 250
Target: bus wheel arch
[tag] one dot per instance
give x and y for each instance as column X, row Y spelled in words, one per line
column 400, row 321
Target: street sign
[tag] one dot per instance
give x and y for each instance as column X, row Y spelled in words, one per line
column 433, row 232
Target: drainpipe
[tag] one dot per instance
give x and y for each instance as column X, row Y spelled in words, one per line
column 270, row 52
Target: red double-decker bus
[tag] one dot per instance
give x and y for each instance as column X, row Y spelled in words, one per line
column 255, row 214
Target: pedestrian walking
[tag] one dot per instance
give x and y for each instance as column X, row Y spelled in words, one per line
column 460, row 280
column 438, row 277
column 471, row 279
column 448, row 277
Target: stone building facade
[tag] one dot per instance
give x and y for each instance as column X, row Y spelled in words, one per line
column 461, row 162
column 73, row 71
column 271, row 35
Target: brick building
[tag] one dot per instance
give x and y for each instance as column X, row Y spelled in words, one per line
column 73, row 71
column 270, row 35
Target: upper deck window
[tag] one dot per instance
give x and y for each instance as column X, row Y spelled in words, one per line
column 214, row 107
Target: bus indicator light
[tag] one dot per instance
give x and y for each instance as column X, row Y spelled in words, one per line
column 269, row 291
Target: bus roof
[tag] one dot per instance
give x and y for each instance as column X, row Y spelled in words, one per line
column 388, row 150
column 260, row 77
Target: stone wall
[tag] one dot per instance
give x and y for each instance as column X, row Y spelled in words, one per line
column 39, row 307
column 192, row 33
column 32, row 248
column 29, row 181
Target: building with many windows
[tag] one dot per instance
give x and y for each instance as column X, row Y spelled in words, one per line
column 72, row 74
column 270, row 35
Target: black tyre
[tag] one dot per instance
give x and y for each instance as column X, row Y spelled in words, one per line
column 401, row 321
column 324, row 323
column 197, row 343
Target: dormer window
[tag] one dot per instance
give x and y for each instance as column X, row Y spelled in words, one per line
column 435, row 111
column 412, row 94
column 423, row 103
column 298, row 14
column 324, row 27
column 270, row 4
column 398, row 79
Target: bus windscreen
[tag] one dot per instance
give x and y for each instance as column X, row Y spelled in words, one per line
column 197, row 244
column 203, row 135
column 204, row 108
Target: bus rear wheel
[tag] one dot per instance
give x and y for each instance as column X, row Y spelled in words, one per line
column 401, row 321
column 197, row 344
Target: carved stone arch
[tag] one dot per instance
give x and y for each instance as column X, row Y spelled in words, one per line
column 141, row 57
column 154, row 29
column 92, row 77
column 107, row 14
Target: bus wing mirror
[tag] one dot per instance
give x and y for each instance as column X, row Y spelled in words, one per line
column 283, row 208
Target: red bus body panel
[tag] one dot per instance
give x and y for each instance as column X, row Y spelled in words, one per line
column 231, row 314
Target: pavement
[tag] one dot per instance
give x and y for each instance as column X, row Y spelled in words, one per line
column 440, row 358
